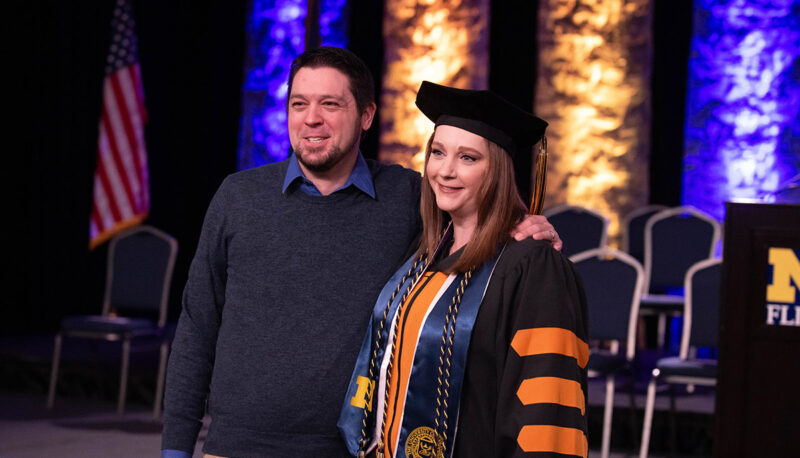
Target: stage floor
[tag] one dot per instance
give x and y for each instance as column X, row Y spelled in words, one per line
column 84, row 422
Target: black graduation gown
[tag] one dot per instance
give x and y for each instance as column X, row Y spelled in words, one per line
column 534, row 302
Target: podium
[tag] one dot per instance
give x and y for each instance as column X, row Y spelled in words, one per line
column 758, row 381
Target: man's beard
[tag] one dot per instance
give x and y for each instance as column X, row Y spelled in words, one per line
column 327, row 162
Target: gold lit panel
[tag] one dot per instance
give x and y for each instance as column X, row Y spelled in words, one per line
column 593, row 87
column 445, row 42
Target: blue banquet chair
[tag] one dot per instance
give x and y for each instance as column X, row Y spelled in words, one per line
column 138, row 275
column 674, row 240
column 633, row 225
column 700, row 329
column 580, row 228
column 613, row 284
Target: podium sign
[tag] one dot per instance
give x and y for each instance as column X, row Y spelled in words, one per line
column 758, row 382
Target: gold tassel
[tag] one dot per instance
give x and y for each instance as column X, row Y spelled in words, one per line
column 539, row 185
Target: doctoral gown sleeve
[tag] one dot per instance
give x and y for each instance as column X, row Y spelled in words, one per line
column 525, row 383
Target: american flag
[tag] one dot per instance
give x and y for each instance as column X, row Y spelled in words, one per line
column 121, row 182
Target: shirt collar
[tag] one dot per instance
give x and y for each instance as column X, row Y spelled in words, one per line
column 360, row 177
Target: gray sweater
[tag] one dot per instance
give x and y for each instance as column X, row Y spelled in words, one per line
column 277, row 302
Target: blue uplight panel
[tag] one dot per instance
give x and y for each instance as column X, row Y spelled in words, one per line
column 333, row 23
column 742, row 128
column 275, row 36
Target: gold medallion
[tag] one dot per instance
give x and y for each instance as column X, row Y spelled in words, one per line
column 423, row 443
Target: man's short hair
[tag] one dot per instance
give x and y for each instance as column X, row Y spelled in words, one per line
column 362, row 85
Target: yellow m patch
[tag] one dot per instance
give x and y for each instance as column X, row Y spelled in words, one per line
column 363, row 396
column 785, row 275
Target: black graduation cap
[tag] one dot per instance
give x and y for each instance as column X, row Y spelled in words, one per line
column 483, row 113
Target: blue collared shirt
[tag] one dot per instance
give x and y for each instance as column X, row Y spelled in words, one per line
column 360, row 177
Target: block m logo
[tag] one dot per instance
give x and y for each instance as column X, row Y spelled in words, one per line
column 785, row 271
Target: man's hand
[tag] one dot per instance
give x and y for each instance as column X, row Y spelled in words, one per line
column 539, row 228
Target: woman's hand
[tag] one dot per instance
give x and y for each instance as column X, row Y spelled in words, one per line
column 539, row 228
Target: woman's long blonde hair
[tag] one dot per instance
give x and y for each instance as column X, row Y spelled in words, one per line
column 500, row 208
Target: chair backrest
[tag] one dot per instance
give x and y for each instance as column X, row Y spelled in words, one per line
column 580, row 228
column 674, row 240
column 613, row 282
column 139, row 271
column 701, row 307
column 633, row 230
column 788, row 195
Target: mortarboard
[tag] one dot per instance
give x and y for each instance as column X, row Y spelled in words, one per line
column 483, row 113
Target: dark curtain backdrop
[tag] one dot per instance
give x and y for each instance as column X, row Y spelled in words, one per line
column 511, row 73
column 672, row 36
column 192, row 58
column 191, row 55
column 56, row 68
column 366, row 41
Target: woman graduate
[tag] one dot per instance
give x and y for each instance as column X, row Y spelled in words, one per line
column 477, row 345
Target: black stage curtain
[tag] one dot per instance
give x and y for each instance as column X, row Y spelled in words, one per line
column 192, row 59
column 57, row 51
column 672, row 36
column 191, row 56
column 365, row 32
column 512, row 73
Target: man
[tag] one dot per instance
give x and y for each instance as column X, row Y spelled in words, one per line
column 290, row 261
